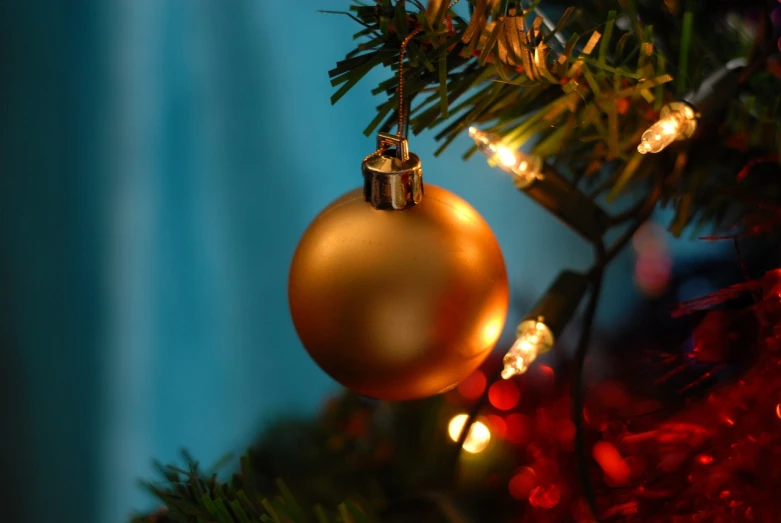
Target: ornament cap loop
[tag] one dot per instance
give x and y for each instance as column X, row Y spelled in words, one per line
column 393, row 178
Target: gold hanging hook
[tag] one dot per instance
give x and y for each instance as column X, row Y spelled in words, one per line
column 433, row 7
column 400, row 90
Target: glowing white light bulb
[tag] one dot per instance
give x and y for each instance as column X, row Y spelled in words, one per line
column 661, row 134
column 525, row 168
column 534, row 338
column 478, row 437
column 506, row 156
column 677, row 122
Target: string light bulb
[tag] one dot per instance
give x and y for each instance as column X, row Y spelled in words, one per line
column 525, row 168
column 478, row 437
column 534, row 338
column 537, row 333
column 677, row 121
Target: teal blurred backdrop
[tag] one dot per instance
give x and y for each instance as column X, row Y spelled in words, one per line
column 159, row 160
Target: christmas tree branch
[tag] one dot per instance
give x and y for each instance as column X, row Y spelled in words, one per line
column 581, row 101
column 189, row 495
column 577, row 392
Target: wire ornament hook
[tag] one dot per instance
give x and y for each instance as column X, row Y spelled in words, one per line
column 400, row 89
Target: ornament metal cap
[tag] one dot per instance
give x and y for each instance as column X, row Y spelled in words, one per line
column 392, row 177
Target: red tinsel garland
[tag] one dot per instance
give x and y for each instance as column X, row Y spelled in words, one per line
column 715, row 459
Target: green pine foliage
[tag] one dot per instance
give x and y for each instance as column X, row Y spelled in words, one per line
column 358, row 462
column 578, row 85
column 190, row 495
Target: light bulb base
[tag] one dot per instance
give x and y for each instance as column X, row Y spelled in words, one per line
column 715, row 92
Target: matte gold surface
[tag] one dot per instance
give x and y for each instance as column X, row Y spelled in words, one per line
column 398, row 304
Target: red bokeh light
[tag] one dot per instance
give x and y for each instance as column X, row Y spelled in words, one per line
column 522, row 484
column 519, row 428
column 504, row 395
column 496, row 425
column 612, row 463
column 565, row 431
column 545, row 496
column 612, row 395
column 473, row 386
column 546, row 469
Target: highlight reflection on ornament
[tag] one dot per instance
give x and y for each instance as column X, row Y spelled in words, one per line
column 478, row 437
column 492, row 330
column 526, row 168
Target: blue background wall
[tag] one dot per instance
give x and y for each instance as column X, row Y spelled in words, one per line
column 158, row 162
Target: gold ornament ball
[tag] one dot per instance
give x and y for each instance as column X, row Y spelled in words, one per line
column 400, row 304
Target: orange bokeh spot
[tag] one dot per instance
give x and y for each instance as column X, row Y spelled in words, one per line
column 519, row 428
column 704, row 459
column 504, row 395
column 522, row 484
column 473, row 386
